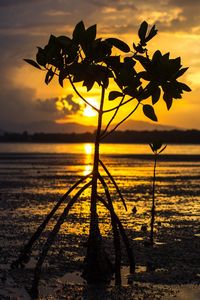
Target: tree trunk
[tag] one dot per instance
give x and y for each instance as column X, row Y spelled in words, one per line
column 97, row 268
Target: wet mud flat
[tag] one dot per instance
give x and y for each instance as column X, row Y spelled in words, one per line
column 30, row 188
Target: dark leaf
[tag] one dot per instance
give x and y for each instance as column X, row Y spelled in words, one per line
column 33, row 63
column 156, row 145
column 49, row 76
column 157, row 56
column 114, row 94
column 130, row 61
column 64, row 41
column 118, row 44
column 180, row 72
column 151, row 146
column 113, row 62
column 184, row 87
column 143, row 30
column 143, row 60
column 79, row 32
column 139, row 48
column 131, row 92
column 105, row 82
column 168, row 100
column 151, row 34
column 149, row 112
column 156, row 95
column 90, row 33
column 162, row 149
column 176, row 62
column 53, row 42
column 166, row 56
column 62, row 75
column 41, row 57
column 89, row 82
column 144, row 75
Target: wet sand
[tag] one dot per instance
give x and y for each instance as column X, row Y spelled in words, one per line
column 31, row 185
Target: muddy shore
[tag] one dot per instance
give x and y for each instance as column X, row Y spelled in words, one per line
column 170, row 269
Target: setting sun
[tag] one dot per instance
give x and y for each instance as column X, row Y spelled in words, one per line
column 89, row 111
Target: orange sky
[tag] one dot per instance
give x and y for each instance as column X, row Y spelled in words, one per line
column 23, row 26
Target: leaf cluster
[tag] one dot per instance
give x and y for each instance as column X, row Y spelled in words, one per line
column 157, row 147
column 162, row 72
column 88, row 59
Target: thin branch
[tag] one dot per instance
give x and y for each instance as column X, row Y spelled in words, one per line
column 77, row 92
column 112, row 118
column 51, row 238
column 115, row 233
column 119, row 105
column 26, row 251
column 122, row 121
column 153, row 201
column 114, row 183
column 124, row 237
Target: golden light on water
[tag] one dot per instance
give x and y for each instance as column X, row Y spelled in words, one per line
column 87, row 170
column 88, row 149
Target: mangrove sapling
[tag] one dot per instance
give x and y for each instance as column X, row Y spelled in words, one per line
column 156, row 148
column 84, row 58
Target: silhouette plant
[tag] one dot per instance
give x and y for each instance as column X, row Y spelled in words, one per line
column 138, row 79
column 156, row 148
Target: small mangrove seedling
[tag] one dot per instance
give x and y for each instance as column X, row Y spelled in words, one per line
column 157, row 148
column 85, row 61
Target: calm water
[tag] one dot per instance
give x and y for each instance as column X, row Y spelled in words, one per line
column 86, row 148
column 34, row 176
column 48, row 170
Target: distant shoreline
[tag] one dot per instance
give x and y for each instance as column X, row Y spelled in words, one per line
column 118, row 137
column 20, row 156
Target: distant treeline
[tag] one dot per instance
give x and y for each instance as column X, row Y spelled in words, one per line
column 168, row 137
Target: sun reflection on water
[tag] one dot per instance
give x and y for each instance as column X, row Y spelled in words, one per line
column 88, row 149
column 87, row 170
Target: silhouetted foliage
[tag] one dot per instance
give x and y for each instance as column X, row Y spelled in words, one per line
column 91, row 60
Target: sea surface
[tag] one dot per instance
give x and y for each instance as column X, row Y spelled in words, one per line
column 34, row 176
column 40, row 170
column 87, row 148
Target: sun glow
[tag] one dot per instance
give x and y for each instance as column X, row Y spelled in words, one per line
column 88, row 111
column 88, row 149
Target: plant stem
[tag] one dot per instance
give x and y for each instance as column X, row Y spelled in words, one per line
column 122, row 121
column 116, row 235
column 124, row 237
column 94, row 217
column 153, row 202
column 118, row 106
column 52, row 235
column 77, row 92
column 98, row 267
column 112, row 118
column 114, row 183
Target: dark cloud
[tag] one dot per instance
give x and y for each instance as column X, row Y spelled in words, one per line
column 66, row 104
column 6, row 3
column 47, row 105
column 24, row 25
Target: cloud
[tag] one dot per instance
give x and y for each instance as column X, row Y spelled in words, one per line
column 63, row 106
column 24, row 25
